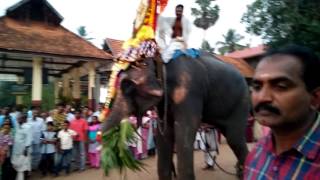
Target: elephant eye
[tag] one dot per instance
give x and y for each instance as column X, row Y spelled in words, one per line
column 144, row 64
column 140, row 64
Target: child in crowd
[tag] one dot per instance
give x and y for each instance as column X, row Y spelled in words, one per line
column 65, row 137
column 94, row 142
column 48, row 149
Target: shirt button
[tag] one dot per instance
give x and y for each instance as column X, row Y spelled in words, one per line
column 275, row 168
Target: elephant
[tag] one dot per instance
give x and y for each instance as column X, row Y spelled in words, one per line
column 194, row 90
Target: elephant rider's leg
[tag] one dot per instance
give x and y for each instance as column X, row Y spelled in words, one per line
column 187, row 121
column 164, row 144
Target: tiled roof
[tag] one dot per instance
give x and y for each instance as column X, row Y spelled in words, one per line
column 114, row 45
column 37, row 37
column 245, row 69
column 248, row 52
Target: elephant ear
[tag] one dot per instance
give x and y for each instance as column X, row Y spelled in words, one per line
column 131, row 88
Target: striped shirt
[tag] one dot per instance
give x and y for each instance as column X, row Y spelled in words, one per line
column 302, row 161
column 58, row 120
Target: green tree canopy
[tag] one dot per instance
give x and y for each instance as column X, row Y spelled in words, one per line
column 83, row 33
column 231, row 42
column 281, row 22
column 207, row 15
column 205, row 46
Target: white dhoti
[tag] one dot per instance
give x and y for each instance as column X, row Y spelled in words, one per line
column 175, row 44
column 209, row 144
column 21, row 163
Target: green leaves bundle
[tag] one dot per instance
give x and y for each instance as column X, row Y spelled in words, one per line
column 115, row 152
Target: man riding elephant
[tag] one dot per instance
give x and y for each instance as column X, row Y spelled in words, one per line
column 177, row 30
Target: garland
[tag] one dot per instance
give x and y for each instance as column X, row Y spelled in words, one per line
column 112, row 87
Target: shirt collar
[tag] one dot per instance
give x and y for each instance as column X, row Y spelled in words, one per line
column 308, row 145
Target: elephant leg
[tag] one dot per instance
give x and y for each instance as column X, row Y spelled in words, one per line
column 185, row 130
column 165, row 151
column 235, row 133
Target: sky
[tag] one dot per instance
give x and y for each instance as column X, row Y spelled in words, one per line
column 113, row 18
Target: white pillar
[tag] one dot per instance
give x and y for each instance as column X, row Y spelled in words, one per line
column 66, row 85
column 76, row 84
column 19, row 98
column 76, row 88
column 36, row 81
column 91, row 85
column 97, row 89
column 57, row 88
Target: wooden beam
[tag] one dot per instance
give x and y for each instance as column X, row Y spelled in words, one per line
column 57, row 55
column 10, row 67
column 4, row 58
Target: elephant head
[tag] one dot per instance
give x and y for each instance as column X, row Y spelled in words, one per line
column 139, row 90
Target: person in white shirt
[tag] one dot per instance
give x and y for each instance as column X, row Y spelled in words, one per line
column 21, row 153
column 70, row 113
column 65, row 137
column 209, row 145
column 173, row 33
column 37, row 127
column 49, row 118
column 48, row 149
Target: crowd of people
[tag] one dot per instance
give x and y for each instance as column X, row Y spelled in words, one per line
column 63, row 139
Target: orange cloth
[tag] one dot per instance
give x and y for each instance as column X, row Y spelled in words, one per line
column 162, row 4
column 80, row 126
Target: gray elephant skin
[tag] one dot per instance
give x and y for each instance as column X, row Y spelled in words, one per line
column 198, row 90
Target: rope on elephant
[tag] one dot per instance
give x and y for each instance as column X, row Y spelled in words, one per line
column 165, row 104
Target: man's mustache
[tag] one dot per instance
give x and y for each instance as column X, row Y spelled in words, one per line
column 267, row 107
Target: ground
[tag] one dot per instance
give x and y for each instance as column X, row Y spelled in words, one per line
column 226, row 159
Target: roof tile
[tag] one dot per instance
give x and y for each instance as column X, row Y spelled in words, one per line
column 114, row 45
column 244, row 68
column 248, row 52
column 38, row 37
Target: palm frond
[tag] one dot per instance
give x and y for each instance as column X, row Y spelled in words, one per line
column 116, row 153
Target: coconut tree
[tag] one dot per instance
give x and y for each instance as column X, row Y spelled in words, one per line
column 206, row 15
column 83, row 33
column 231, row 42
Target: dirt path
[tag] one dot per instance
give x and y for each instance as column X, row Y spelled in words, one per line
column 226, row 159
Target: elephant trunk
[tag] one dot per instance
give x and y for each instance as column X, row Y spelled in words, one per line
column 118, row 112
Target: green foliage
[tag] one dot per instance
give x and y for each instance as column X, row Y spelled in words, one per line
column 280, row 22
column 231, row 42
column 6, row 99
column 205, row 46
column 48, row 100
column 83, row 33
column 115, row 152
column 207, row 15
